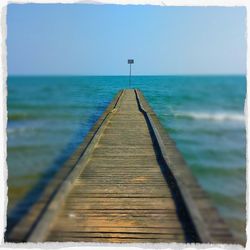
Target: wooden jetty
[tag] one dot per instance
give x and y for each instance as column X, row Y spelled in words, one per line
column 126, row 183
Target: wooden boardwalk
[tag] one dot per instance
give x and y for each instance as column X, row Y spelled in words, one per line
column 127, row 183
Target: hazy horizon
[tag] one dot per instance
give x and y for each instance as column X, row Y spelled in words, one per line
column 51, row 75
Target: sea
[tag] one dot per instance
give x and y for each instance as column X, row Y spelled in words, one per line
column 49, row 116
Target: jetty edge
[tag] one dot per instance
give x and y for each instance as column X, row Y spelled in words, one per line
column 209, row 224
column 188, row 212
column 22, row 231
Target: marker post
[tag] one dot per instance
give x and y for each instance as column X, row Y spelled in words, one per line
column 130, row 61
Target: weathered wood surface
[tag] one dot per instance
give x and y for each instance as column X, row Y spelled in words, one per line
column 129, row 184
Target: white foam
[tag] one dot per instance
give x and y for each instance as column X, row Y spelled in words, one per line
column 16, row 130
column 212, row 116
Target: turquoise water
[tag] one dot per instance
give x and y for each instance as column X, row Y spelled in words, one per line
column 49, row 116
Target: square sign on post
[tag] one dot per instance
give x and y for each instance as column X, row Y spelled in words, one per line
column 130, row 61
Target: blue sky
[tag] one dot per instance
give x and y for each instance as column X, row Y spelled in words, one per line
column 79, row 39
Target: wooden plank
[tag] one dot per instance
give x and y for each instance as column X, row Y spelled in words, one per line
column 114, row 240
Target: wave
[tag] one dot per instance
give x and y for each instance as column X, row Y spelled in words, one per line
column 204, row 170
column 18, row 117
column 17, row 130
column 44, row 116
column 212, row 116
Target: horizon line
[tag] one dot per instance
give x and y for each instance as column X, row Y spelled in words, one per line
column 89, row 75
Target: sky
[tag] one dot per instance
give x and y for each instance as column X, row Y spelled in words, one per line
column 80, row 39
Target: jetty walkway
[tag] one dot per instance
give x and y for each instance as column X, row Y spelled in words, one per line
column 126, row 183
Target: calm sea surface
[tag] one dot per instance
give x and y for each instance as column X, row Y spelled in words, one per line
column 49, row 116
